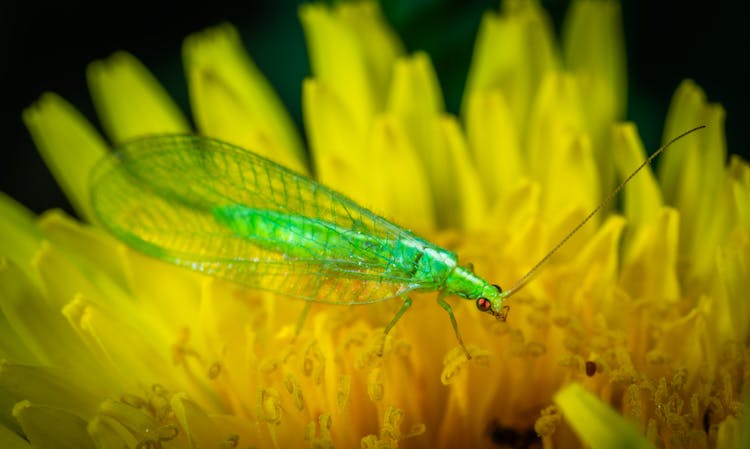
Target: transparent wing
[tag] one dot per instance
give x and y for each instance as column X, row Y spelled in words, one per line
column 157, row 194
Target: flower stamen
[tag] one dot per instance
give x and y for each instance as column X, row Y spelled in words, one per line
column 230, row 442
column 343, row 391
column 214, row 370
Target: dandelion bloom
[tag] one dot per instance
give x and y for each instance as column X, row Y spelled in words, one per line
column 634, row 334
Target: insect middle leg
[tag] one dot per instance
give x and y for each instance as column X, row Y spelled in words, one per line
column 404, row 307
column 447, row 307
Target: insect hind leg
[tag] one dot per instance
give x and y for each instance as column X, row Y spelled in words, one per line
column 301, row 320
column 447, row 307
column 303, row 317
column 404, row 307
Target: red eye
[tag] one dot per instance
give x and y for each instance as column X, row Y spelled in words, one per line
column 483, row 304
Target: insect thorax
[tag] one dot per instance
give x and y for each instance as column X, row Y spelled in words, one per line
column 464, row 283
column 430, row 266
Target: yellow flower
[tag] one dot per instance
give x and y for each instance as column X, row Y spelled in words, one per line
column 634, row 334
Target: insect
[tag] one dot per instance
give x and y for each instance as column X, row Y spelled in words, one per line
column 223, row 211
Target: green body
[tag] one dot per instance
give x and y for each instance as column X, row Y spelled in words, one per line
column 301, row 237
column 224, row 211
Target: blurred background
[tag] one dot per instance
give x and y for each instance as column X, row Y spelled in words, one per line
column 47, row 48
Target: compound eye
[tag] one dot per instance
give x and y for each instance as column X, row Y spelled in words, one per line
column 499, row 290
column 484, row 304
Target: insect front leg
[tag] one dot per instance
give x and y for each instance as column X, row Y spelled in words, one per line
column 404, row 307
column 447, row 307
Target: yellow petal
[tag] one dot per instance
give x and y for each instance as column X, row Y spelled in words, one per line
column 13, row 345
column 232, row 101
column 593, row 41
column 11, row 440
column 513, row 53
column 415, row 92
column 415, row 106
column 685, row 166
column 27, row 311
column 44, row 385
column 163, row 286
column 730, row 310
column 379, row 43
column 117, row 345
column 337, row 60
column 69, row 145
column 650, row 261
column 641, row 195
column 87, row 244
column 571, row 180
column 52, row 428
column 693, row 177
column 600, row 257
column 595, row 423
column 459, row 199
column 80, row 262
column 679, row 162
column 62, row 278
column 130, row 101
column 560, row 154
column 109, row 433
column 593, row 48
column 336, row 141
column 19, row 234
column 683, row 342
column 139, row 423
column 739, row 171
column 400, row 177
column 201, row 431
column 519, row 206
column 559, row 226
column 494, row 144
column 352, row 50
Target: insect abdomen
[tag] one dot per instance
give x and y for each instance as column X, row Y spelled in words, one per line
column 300, row 237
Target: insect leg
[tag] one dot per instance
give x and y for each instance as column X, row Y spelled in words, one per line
column 447, row 307
column 301, row 319
column 404, row 307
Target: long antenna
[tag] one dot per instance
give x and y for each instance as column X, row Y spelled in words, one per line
column 526, row 277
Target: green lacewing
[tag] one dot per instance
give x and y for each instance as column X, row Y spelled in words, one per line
column 221, row 210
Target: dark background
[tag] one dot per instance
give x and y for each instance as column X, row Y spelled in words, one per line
column 47, row 47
